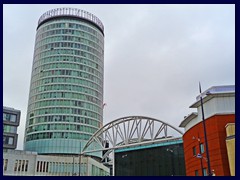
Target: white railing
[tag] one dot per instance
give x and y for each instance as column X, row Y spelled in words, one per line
column 71, row 12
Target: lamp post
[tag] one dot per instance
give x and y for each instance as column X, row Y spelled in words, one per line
column 73, row 166
column 80, row 164
column 80, row 160
column 205, row 133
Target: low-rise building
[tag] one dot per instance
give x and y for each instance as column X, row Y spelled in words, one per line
column 26, row 163
column 219, row 110
column 157, row 159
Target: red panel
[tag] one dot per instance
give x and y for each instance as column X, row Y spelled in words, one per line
column 216, row 136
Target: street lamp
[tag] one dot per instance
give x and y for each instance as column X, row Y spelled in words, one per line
column 205, row 133
column 80, row 155
column 73, row 174
column 80, row 160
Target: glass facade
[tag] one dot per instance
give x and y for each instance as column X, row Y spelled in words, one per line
column 11, row 119
column 66, row 91
column 164, row 160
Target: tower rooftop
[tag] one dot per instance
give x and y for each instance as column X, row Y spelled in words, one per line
column 72, row 12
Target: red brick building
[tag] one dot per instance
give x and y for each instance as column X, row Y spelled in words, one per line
column 219, row 110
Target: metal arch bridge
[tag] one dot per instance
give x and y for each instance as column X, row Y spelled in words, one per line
column 130, row 131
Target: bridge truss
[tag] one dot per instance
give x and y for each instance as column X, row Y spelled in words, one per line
column 130, row 131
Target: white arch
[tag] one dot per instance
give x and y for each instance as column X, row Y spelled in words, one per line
column 129, row 131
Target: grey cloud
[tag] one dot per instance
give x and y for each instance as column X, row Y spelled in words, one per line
column 155, row 55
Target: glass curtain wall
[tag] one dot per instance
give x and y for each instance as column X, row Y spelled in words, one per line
column 66, row 90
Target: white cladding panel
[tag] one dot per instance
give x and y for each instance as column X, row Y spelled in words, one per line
column 13, row 157
column 192, row 123
column 216, row 105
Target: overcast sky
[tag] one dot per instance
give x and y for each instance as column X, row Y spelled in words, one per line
column 155, row 56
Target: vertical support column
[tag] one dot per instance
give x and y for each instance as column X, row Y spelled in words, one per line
column 73, row 167
column 80, row 155
column 113, row 167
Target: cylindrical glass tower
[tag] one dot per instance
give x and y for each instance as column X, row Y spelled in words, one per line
column 66, row 90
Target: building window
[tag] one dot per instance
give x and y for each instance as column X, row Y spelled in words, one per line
column 41, row 164
column 9, row 129
column 23, row 164
column 194, row 151
column 9, row 117
column 201, row 148
column 26, row 166
column 47, row 166
column 10, row 140
column 205, row 172
column 19, row 165
column 15, row 166
column 5, row 164
column 6, row 117
column 13, row 118
column 38, row 165
column 44, row 164
column 196, row 173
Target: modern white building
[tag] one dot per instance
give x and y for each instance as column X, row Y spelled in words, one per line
column 27, row 163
